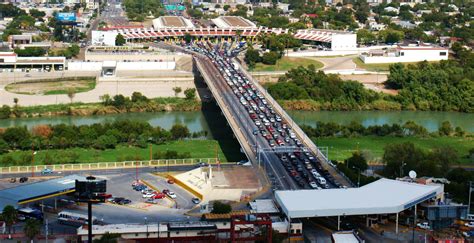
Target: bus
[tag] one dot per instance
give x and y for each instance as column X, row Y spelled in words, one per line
column 29, row 213
column 74, row 219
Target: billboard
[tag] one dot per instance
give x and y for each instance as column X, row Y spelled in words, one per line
column 66, row 17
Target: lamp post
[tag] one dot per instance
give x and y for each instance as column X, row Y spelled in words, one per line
column 146, row 224
column 401, row 169
column 33, row 153
column 358, row 175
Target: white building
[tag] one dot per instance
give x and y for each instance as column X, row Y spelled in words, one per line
column 103, row 38
column 337, row 40
column 406, row 54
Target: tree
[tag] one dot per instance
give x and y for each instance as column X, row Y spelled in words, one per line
column 71, row 93
column 190, row 93
column 177, row 90
column 252, row 57
column 3, row 146
column 270, row 58
column 219, row 207
column 105, row 142
column 30, row 52
column 32, row 228
column 15, row 101
column 187, row 37
column 9, row 215
column 401, row 158
column 365, row 36
column 358, row 161
column 226, row 7
column 445, row 129
column 119, row 40
column 106, row 100
column 5, row 112
column 138, row 97
column 43, row 131
column 179, row 131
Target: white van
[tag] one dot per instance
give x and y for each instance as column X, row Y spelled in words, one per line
column 321, row 181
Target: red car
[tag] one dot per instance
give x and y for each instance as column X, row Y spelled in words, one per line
column 105, row 195
column 170, row 181
column 158, row 195
column 268, row 136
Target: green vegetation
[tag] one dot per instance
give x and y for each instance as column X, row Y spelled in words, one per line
column 372, row 147
column 53, row 87
column 219, row 207
column 119, row 40
column 139, row 10
column 30, row 52
column 287, row 63
column 69, row 52
column 275, row 44
column 167, row 150
column 109, row 105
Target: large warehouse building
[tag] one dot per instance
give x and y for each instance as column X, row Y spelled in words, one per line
column 383, row 196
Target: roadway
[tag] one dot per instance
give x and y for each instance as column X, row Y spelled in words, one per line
column 248, row 134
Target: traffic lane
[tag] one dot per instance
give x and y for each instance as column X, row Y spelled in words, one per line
column 237, row 108
column 266, row 158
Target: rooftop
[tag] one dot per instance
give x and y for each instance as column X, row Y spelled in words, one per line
column 380, row 197
column 30, row 192
column 232, row 21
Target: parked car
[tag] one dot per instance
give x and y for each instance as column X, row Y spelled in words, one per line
column 159, row 195
column 23, row 179
column 46, row 171
column 423, row 225
column 170, row 181
column 196, row 200
column 470, row 224
column 13, row 180
column 151, row 201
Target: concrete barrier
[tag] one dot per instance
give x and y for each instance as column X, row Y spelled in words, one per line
column 185, row 186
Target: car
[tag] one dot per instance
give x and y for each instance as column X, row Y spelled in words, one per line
column 171, row 194
column 105, row 195
column 148, row 195
column 13, row 180
column 423, row 225
column 170, row 181
column 151, row 201
column 46, row 171
column 196, row 200
column 158, row 195
column 468, row 234
column 124, row 201
column 470, row 224
column 23, row 179
column 202, row 164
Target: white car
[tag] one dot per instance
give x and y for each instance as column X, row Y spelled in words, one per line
column 470, row 224
column 148, row 195
column 423, row 225
column 313, row 185
column 171, row 194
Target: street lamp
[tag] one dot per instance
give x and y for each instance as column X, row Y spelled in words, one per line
column 358, row 177
column 401, row 169
column 146, row 223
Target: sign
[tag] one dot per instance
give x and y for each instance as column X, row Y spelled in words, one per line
column 90, row 191
column 66, row 17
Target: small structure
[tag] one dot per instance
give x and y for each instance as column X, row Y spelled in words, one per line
column 16, row 40
column 11, row 61
column 415, row 53
column 384, row 196
column 336, row 40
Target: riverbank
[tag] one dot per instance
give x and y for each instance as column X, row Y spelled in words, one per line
column 373, row 146
column 192, row 148
column 89, row 109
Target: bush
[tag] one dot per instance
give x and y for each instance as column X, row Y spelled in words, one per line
column 270, row 58
column 221, row 208
column 190, row 93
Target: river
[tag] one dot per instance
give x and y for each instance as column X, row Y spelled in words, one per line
column 196, row 121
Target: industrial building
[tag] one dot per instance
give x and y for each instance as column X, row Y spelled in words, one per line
column 333, row 39
column 10, row 61
column 410, row 53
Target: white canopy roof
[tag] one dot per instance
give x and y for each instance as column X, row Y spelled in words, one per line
column 380, row 197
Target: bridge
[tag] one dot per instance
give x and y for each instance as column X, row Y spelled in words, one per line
column 253, row 144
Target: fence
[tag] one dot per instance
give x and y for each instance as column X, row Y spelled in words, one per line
column 106, row 165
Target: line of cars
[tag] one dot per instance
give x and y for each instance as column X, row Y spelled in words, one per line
column 301, row 164
column 151, row 195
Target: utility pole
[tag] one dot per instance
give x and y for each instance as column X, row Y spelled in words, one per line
column 470, row 192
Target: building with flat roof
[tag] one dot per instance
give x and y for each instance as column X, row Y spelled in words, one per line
column 383, row 196
column 11, row 61
column 164, row 22
column 410, row 53
column 334, row 39
column 233, row 22
column 24, row 194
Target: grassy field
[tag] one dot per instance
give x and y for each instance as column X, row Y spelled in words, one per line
column 287, row 63
column 197, row 148
column 52, row 87
column 379, row 67
column 342, row 148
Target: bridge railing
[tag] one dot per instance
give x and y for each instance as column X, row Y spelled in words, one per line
column 106, row 165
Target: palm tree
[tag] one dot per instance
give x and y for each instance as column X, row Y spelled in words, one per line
column 9, row 216
column 32, row 228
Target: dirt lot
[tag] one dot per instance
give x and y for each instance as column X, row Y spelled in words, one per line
column 51, row 87
column 173, row 21
column 235, row 21
column 241, row 177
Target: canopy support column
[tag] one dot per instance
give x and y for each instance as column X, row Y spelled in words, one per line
column 396, row 224
column 338, row 222
column 367, row 220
